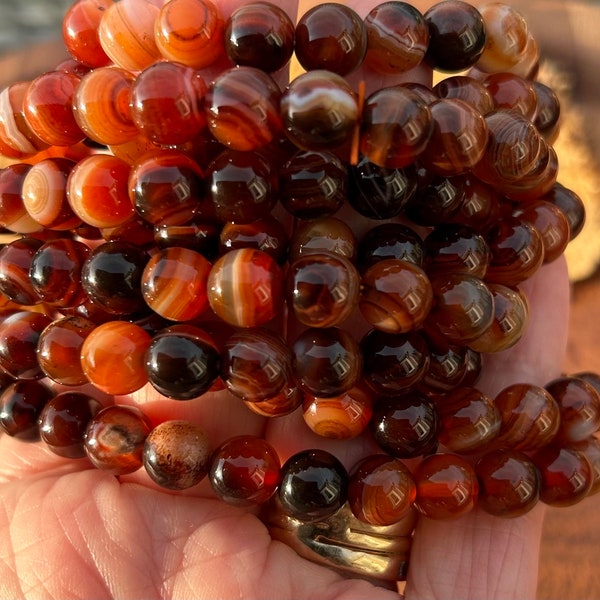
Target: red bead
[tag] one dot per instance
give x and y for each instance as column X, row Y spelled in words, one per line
column 15, row 262
column 21, row 404
column 467, row 89
column 511, row 92
column 284, row 403
column 13, row 215
column 244, row 470
column 591, row 450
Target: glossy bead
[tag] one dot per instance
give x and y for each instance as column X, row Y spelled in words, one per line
column 463, row 308
column 322, row 289
column 342, row 417
column 405, row 426
column 509, row 483
column 267, row 234
column 591, row 450
column 447, row 367
column 457, row 35
column 13, row 215
column 59, row 349
column 48, row 106
column 396, row 296
column 393, row 362
column 97, row 191
column 566, row 475
column 126, row 33
column 55, row 272
column 242, row 186
column 579, row 405
column 245, row 288
column 15, row 262
column 530, row 417
column 102, row 105
column 166, row 188
column 469, row 420
column 437, row 202
column 330, row 36
column 190, row 32
column 396, row 127
column 284, row 403
column 261, row 35
column 80, row 32
column 167, row 103
column 319, row 111
column 547, row 114
column 313, row 184
column 244, row 470
column 203, row 237
column 390, row 240
column 242, row 108
column 114, row 439
column 63, row 421
column 511, row 92
column 314, row 485
column 21, row 404
column 112, row 275
column 19, row 335
column 447, row 486
column 397, row 37
column 177, row 454
column 479, row 207
column 327, row 362
column 173, row 283
column 467, row 89
column 571, row 205
column 112, row 357
column 182, row 362
column 327, row 234
column 379, row 192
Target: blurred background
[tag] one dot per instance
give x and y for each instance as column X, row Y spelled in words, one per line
column 567, row 31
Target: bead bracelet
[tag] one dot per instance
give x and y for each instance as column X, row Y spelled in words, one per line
column 182, row 222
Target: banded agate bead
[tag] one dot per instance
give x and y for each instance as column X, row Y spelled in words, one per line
column 174, row 282
column 511, row 92
column 15, row 263
column 570, row 204
column 113, row 357
column 114, row 439
column 284, row 403
column 437, row 201
column 390, row 240
column 267, row 234
column 244, row 471
column 547, row 114
column 245, row 287
column 13, row 215
column 479, row 207
column 381, row 490
column 469, row 90
column 447, row 367
column 327, row 234
column 177, row 454
column 591, row 450
column 195, row 235
column 21, row 404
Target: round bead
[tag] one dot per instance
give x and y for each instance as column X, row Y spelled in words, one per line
column 570, row 204
column 591, row 450
column 177, row 454
column 284, row 403
column 195, row 235
column 21, row 404
column 245, row 288
column 112, row 357
column 447, row 367
column 447, row 486
column 390, row 240
column 437, row 202
column 244, row 470
column 469, row 90
column 479, row 207
column 326, row 234
column 182, row 362
column 511, row 92
column 174, row 283
column 314, row 485
column 13, row 215
column 64, row 420
column 15, row 263
column 547, row 114
column 381, row 491
column 114, row 439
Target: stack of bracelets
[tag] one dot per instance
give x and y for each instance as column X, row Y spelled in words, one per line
column 175, row 209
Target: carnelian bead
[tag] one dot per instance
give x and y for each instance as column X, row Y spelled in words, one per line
column 267, row 234
column 390, row 240
column 80, row 32
column 63, row 422
column 167, row 103
column 112, row 357
column 341, row 417
column 397, row 37
column 49, row 108
column 396, row 127
column 244, row 470
column 114, row 439
column 511, row 92
column 261, row 35
column 245, row 288
column 13, row 215
column 467, row 89
column 21, row 404
column 15, row 262
column 102, row 108
column 190, row 32
column 327, row 234
column 509, row 483
column 447, row 486
column 396, row 296
column 322, row 289
column 126, row 33
column 381, row 490
column 242, row 108
column 174, row 283
column 177, row 454
column 97, row 191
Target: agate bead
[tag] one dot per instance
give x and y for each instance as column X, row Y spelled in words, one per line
column 390, row 240
column 176, row 454
column 327, row 234
column 547, row 114
column 21, row 404
column 591, row 450
column 469, row 90
column 13, row 215
column 203, row 237
column 447, row 367
column 15, row 262
column 570, row 204
column 244, row 471
column 114, row 439
column 511, row 92
column 284, row 403
column 437, row 201
column 314, row 485
column 381, row 490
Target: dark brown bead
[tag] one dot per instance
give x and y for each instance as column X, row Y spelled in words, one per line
column 21, row 404
column 467, row 89
column 591, row 450
column 202, row 237
column 266, row 234
column 390, row 240
column 547, row 113
column 15, row 262
column 447, row 367
column 436, row 202
column 511, row 92
column 571, row 205
column 480, row 205
column 327, row 234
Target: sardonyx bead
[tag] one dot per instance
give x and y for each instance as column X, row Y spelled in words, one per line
column 113, row 357
column 245, row 287
column 21, row 404
column 13, row 215
column 15, row 263
column 174, row 283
